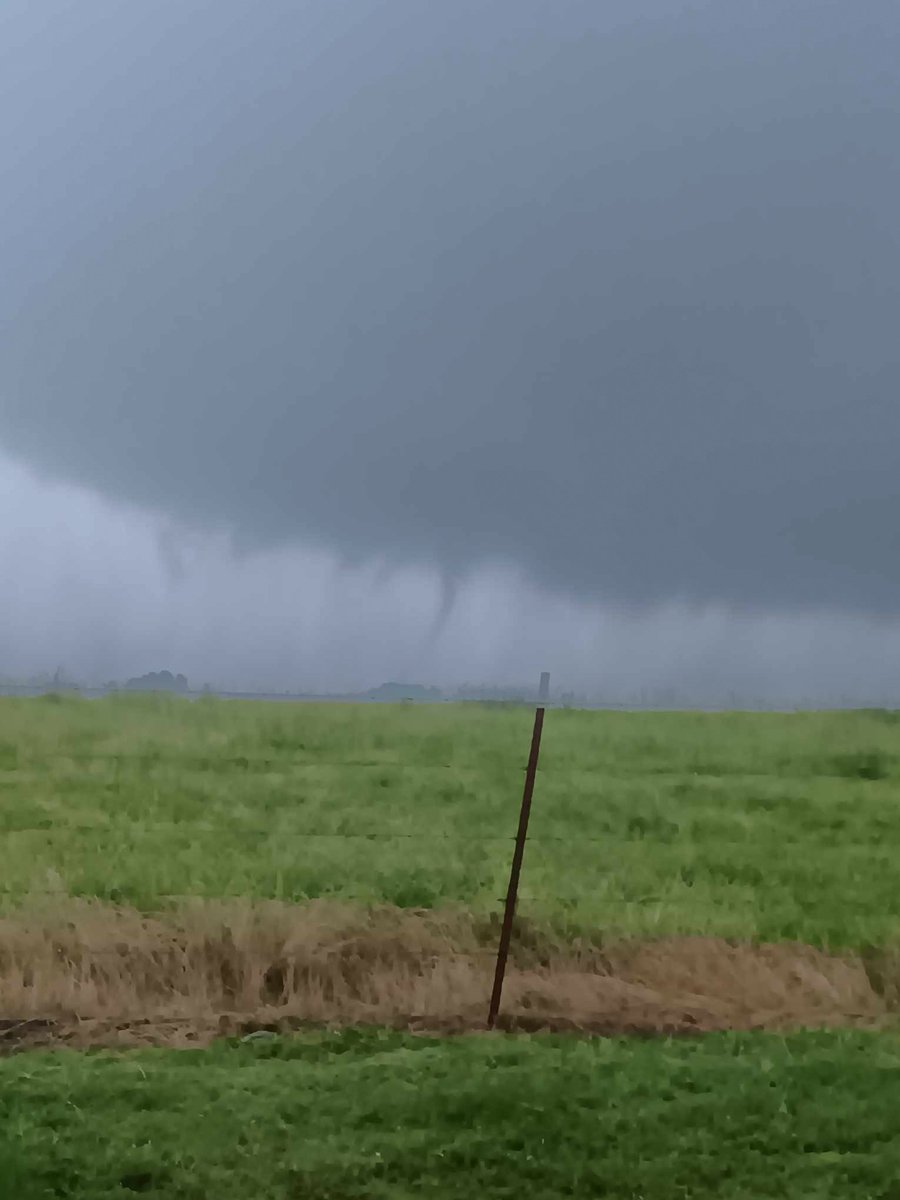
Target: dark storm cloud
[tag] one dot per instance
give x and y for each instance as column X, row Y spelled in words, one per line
column 609, row 291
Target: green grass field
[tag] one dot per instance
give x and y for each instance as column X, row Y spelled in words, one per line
column 777, row 826
column 745, row 826
column 344, row 1116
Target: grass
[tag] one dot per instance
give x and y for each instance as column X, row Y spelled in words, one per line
column 729, row 826
column 85, row 974
column 359, row 1114
column 738, row 825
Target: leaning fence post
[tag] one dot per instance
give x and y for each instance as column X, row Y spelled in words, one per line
column 515, row 870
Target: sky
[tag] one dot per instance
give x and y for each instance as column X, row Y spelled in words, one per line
column 351, row 340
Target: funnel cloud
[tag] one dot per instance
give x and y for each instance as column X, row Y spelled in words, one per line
column 606, row 294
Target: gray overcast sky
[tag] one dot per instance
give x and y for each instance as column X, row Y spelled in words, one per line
column 602, row 294
column 108, row 591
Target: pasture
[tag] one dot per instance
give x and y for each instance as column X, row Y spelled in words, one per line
column 738, row 825
column 391, row 1117
column 274, row 916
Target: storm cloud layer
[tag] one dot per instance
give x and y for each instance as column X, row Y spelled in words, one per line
column 107, row 592
column 607, row 292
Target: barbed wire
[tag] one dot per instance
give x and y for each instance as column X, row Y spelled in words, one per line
column 614, row 839
column 446, row 902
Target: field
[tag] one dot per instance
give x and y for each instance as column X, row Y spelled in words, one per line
column 769, row 826
column 740, row 1117
column 176, row 874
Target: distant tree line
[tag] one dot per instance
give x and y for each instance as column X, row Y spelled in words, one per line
column 157, row 681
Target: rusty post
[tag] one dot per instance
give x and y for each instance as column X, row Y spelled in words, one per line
column 512, row 891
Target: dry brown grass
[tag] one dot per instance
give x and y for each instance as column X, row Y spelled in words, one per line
column 87, row 973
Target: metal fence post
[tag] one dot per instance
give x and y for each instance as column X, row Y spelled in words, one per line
column 515, row 870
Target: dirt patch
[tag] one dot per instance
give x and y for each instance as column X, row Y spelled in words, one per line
column 87, row 974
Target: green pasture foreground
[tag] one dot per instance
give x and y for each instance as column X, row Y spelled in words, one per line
column 356, row 1115
column 771, row 825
